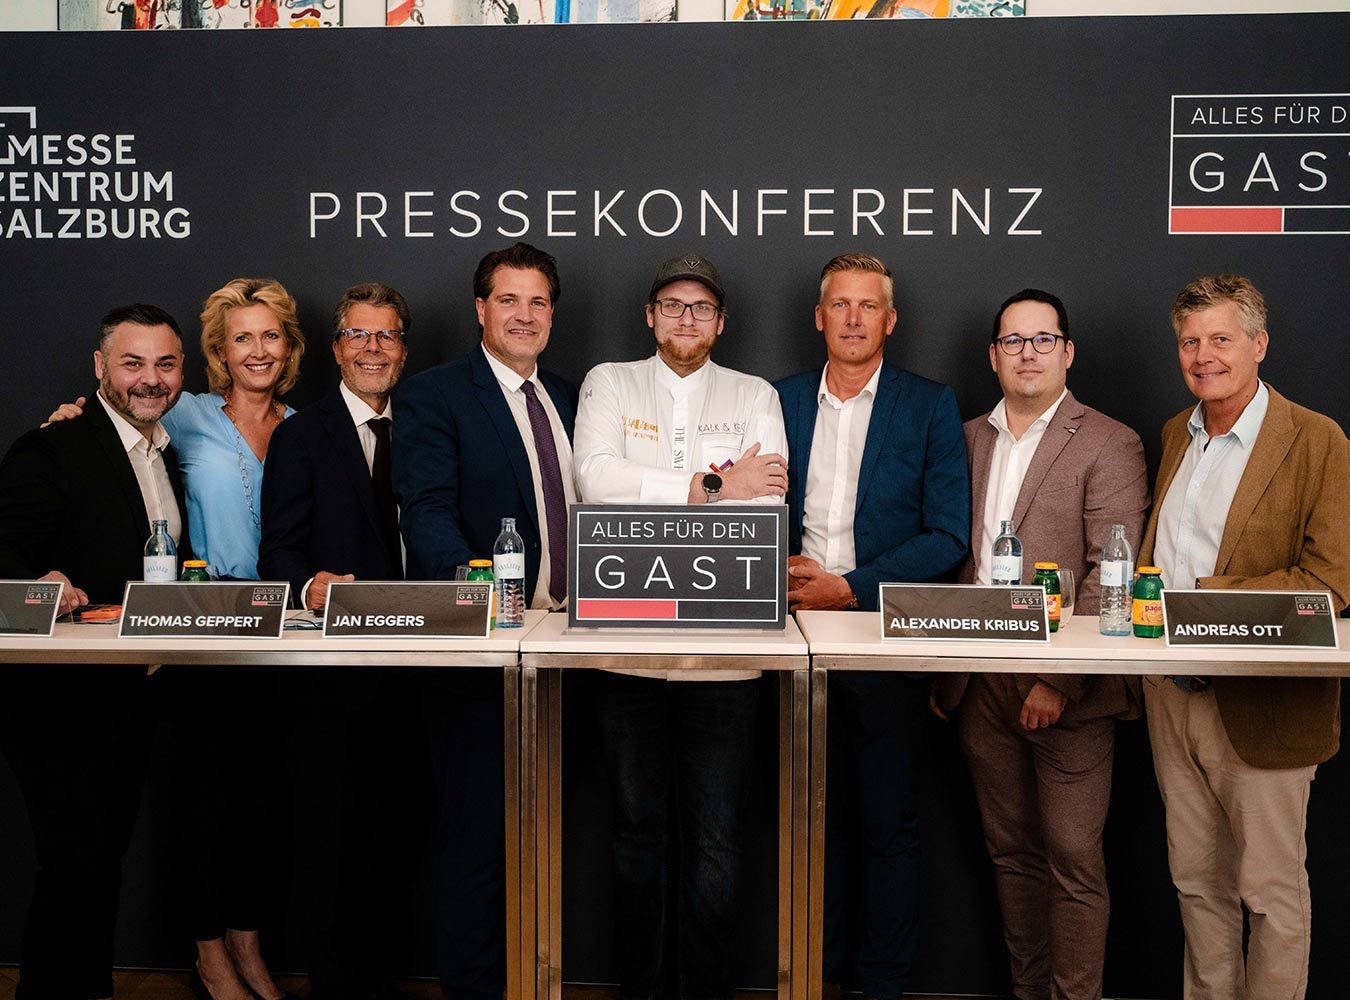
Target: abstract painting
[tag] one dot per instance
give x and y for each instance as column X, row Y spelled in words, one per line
column 844, row 10
column 152, row 15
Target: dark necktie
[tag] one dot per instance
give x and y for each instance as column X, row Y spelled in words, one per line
column 382, row 480
column 555, row 500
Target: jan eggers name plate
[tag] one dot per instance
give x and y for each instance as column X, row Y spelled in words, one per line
column 429, row 610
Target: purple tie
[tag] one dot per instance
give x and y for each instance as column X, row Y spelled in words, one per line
column 555, row 500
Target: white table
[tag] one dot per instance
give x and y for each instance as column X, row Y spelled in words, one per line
column 547, row 653
column 308, row 648
column 851, row 640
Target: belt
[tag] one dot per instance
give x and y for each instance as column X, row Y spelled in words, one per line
column 1193, row 685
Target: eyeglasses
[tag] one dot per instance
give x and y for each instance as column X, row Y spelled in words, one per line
column 674, row 309
column 360, row 338
column 1042, row 343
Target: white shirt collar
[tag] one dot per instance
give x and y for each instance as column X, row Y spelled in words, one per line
column 506, row 376
column 131, row 437
column 1248, row 425
column 999, row 416
column 676, row 384
column 823, row 393
column 360, row 410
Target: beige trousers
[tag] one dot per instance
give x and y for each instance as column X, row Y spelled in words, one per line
column 1235, row 834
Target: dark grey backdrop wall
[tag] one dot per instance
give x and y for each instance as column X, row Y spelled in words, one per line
column 324, row 158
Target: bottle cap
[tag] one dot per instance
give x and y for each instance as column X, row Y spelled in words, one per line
column 1154, row 570
column 480, row 563
column 1047, row 565
column 194, row 563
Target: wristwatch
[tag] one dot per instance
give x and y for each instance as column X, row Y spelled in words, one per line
column 712, row 486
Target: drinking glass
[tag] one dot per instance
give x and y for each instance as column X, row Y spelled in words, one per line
column 1066, row 594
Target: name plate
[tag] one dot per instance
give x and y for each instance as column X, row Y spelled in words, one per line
column 947, row 611
column 719, row 565
column 436, row 610
column 28, row 607
column 1255, row 618
column 235, row 610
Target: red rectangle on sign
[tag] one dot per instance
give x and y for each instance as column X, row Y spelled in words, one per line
column 1227, row 220
column 626, row 610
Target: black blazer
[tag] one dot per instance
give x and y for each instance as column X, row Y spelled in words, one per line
column 318, row 504
column 69, row 501
column 460, row 466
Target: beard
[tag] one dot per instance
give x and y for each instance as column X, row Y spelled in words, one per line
column 142, row 406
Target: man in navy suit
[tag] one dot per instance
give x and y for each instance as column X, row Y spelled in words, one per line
column 476, row 440
column 328, row 514
column 880, row 492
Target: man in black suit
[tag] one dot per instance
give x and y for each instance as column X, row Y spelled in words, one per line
column 328, row 514
column 476, row 440
column 76, row 502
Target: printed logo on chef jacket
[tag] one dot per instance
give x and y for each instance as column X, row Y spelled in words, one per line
column 637, row 427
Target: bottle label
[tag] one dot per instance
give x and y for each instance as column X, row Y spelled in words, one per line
column 510, row 565
column 159, row 569
column 1148, row 611
column 1116, row 572
column 1052, row 606
column 1006, row 568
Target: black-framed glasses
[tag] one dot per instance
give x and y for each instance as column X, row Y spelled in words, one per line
column 1042, row 343
column 360, row 338
column 674, row 309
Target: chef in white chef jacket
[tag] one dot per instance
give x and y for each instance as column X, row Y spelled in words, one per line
column 677, row 428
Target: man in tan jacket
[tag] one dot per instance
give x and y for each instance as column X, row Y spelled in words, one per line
column 1041, row 748
column 1253, row 493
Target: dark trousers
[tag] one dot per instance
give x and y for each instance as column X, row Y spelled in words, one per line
column 1043, row 798
column 697, row 739
column 77, row 739
column 359, row 771
column 463, row 712
column 222, row 726
column 872, row 740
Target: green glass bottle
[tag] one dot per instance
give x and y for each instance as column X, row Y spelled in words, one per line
column 480, row 571
column 1047, row 576
column 1147, row 615
column 194, row 571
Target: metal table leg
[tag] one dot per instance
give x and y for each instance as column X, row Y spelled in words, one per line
column 525, row 958
column 511, row 755
column 815, row 893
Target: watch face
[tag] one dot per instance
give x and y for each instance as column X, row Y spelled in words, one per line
column 712, row 483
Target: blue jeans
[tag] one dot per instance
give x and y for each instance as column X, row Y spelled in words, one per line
column 699, row 737
column 872, row 739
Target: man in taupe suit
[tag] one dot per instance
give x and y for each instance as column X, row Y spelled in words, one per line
column 1253, row 494
column 1040, row 748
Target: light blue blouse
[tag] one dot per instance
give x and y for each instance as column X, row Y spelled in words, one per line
column 223, row 482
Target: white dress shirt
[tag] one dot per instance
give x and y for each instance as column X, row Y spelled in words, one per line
column 147, row 462
column 1195, row 510
column 1007, row 468
column 643, row 431
column 832, row 475
column 511, row 382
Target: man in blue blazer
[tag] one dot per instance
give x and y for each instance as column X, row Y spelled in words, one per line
column 476, row 440
column 328, row 514
column 879, row 492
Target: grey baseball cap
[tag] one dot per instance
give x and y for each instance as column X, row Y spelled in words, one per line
column 689, row 267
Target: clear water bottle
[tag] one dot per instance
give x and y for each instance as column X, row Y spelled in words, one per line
column 1117, row 576
column 508, row 573
column 1006, row 568
column 159, row 563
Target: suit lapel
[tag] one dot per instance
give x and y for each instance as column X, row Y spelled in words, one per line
column 1063, row 426
column 489, row 394
column 1174, row 450
column 123, row 474
column 981, row 454
column 1272, row 445
column 888, row 394
column 337, row 423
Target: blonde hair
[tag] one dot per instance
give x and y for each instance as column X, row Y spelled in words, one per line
column 1216, row 289
column 240, row 294
column 859, row 262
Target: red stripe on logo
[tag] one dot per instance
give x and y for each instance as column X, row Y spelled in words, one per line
column 1227, row 220
column 592, row 610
